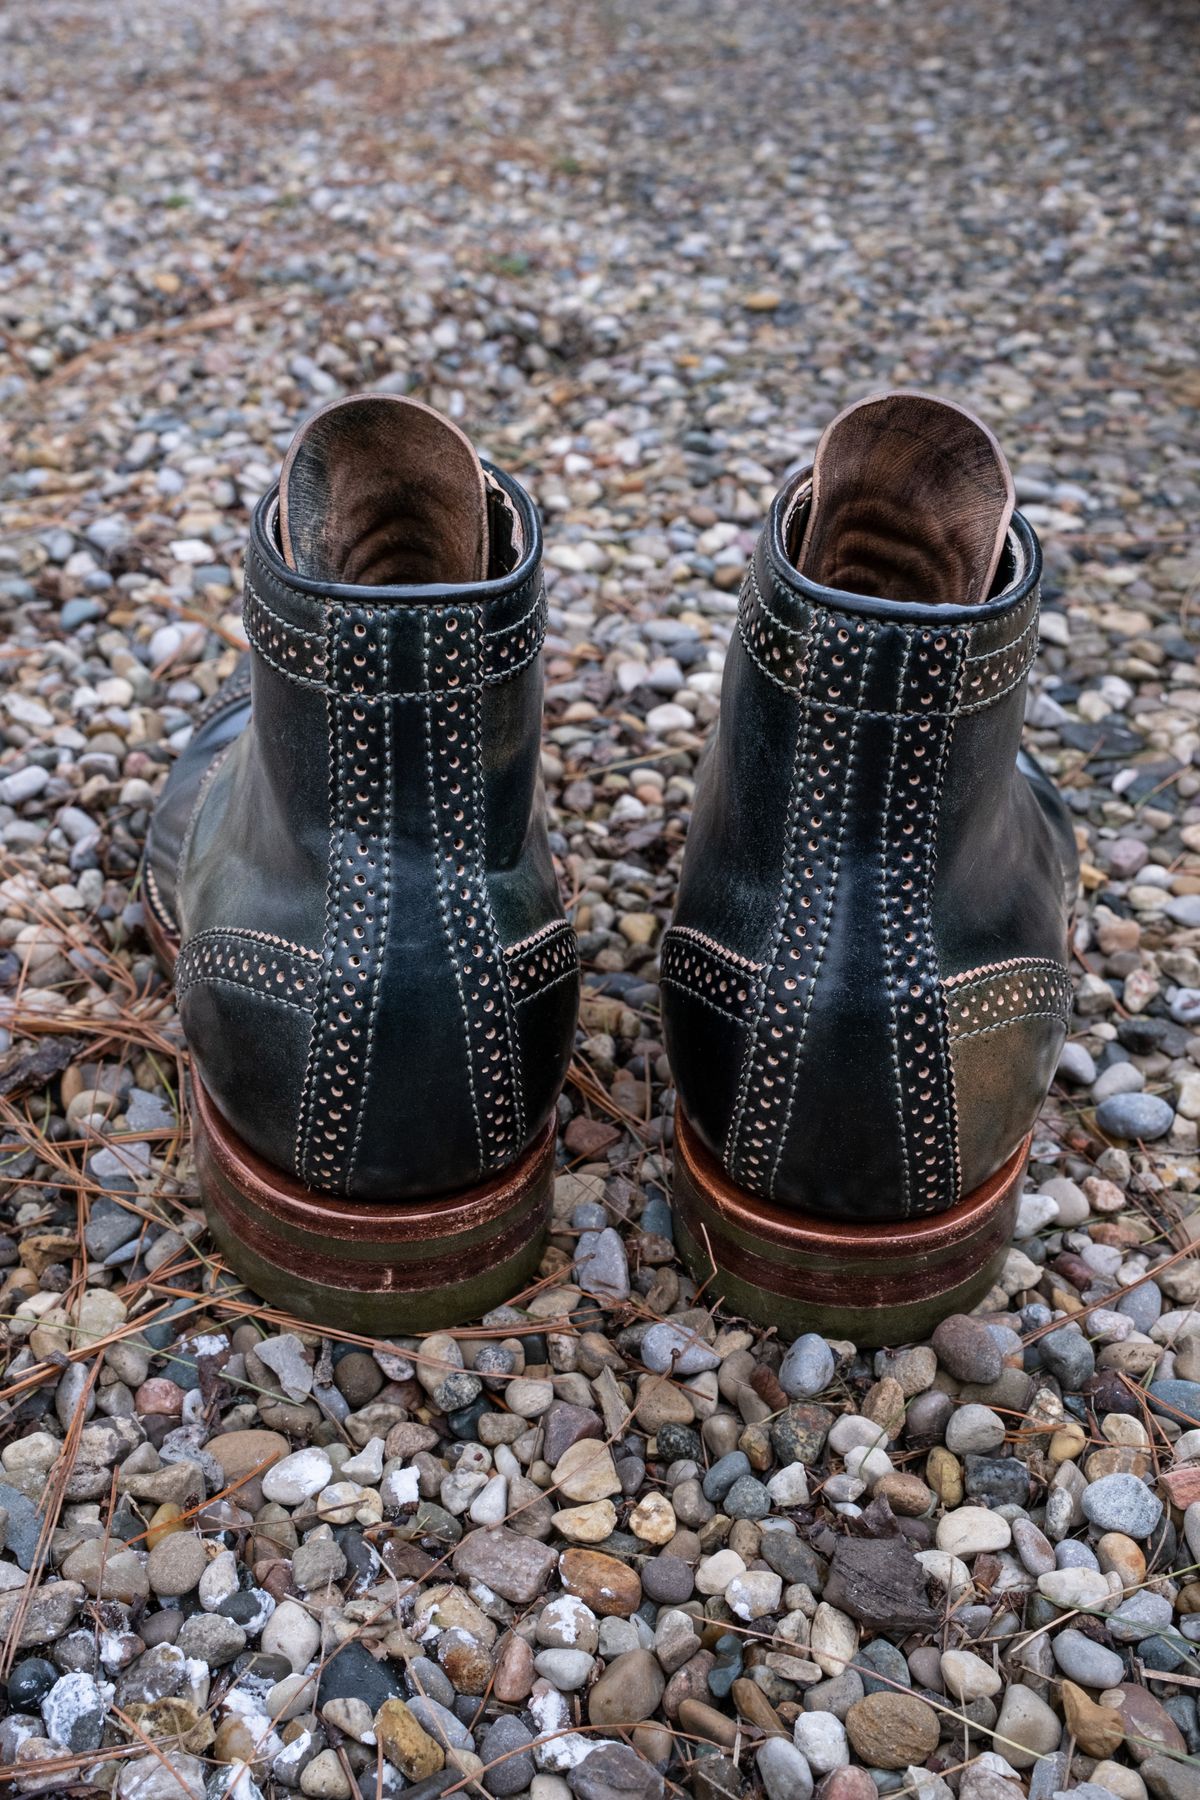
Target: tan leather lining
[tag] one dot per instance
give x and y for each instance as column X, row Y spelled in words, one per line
column 379, row 490
column 911, row 500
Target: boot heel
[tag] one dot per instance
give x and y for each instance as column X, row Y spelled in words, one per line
column 877, row 1283
column 372, row 1267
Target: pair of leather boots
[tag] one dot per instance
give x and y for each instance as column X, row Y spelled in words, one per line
column 864, row 988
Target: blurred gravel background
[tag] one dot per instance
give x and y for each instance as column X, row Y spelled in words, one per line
column 643, row 254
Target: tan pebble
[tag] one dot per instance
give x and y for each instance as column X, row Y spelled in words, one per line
column 703, row 1721
column 234, row 1742
column 587, row 1524
column 653, row 1519
column 943, row 1472
column 585, row 1471
column 906, row 1494
column 892, row 1731
column 1067, row 1443
column 405, row 1743
column 1123, row 1428
column 1097, row 1730
column 165, row 1519
column 884, row 1405
column 1126, row 1783
column 1117, row 1459
column 608, row 1586
column 1117, row 1553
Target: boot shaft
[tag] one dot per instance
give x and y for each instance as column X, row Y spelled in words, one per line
column 379, row 822
column 868, row 882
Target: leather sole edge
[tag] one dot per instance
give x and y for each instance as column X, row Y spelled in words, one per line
column 372, row 1267
column 377, row 1268
column 874, row 1284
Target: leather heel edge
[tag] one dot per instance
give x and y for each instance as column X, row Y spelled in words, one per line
column 372, row 1267
column 874, row 1284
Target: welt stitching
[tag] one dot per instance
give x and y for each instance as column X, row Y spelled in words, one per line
column 733, row 1136
column 444, row 898
column 383, row 837
column 886, row 922
column 847, row 787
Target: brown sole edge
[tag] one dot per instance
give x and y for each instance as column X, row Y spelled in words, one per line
column 377, row 1268
column 873, row 1284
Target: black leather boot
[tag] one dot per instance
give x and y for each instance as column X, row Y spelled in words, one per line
column 865, row 986
column 350, row 872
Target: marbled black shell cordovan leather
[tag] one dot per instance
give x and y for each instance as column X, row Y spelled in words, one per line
column 376, row 980
column 865, row 984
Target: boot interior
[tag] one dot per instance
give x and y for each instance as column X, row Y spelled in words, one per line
column 381, row 491
column 911, row 500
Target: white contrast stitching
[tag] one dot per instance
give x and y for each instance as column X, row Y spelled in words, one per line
column 571, row 974
column 444, row 898
column 304, row 1112
column 242, row 987
column 843, row 807
column 733, row 1136
column 189, row 831
column 718, row 949
column 885, row 920
column 515, row 1072
column 385, row 888
column 535, row 937
column 730, row 1018
column 931, row 865
column 986, row 971
column 258, row 937
column 1018, row 1019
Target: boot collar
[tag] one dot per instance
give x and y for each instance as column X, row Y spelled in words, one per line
column 1017, row 581
column 294, row 625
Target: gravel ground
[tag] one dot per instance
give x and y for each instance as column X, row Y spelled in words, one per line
column 644, row 255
